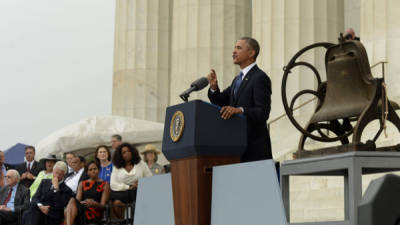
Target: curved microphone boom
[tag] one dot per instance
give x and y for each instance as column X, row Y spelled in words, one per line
column 197, row 85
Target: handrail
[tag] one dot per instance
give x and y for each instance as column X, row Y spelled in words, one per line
column 296, row 108
column 380, row 62
column 383, row 68
column 310, row 100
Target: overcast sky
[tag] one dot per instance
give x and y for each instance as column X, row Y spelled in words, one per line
column 56, row 61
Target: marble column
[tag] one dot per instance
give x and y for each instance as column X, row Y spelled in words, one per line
column 380, row 34
column 141, row 58
column 283, row 28
column 204, row 34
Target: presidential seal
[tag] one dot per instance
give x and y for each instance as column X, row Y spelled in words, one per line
column 176, row 126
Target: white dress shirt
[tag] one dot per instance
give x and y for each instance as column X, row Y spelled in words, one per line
column 73, row 180
column 121, row 179
column 30, row 164
column 246, row 70
column 10, row 203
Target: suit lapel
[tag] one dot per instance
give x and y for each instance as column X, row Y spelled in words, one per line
column 4, row 194
column 17, row 195
column 244, row 83
column 34, row 166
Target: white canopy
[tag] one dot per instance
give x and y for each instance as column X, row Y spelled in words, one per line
column 93, row 131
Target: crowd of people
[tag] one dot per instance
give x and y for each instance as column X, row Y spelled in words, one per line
column 52, row 191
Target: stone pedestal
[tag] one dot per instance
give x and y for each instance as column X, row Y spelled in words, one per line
column 351, row 166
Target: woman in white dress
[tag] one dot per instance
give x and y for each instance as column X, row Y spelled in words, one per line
column 128, row 168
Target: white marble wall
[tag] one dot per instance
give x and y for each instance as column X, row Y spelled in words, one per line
column 141, row 58
column 283, row 28
column 352, row 15
column 380, row 33
column 204, row 34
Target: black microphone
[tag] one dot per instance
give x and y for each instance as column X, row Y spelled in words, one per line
column 197, row 85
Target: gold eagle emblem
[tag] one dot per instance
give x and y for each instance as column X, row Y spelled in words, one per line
column 176, row 126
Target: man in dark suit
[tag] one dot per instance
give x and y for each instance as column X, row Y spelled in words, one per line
column 50, row 199
column 79, row 174
column 3, row 169
column 249, row 94
column 14, row 199
column 29, row 169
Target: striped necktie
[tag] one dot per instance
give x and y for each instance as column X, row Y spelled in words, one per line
column 8, row 197
column 238, row 81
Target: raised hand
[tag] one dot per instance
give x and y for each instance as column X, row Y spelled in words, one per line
column 54, row 181
column 212, row 79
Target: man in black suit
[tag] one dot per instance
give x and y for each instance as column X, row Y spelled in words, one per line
column 79, row 174
column 29, row 169
column 14, row 198
column 249, row 94
column 50, row 199
column 3, row 169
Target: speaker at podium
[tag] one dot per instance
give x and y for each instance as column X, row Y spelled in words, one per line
column 195, row 140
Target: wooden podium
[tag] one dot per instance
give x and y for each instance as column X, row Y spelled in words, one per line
column 196, row 138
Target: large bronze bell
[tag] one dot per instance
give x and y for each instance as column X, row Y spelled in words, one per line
column 349, row 94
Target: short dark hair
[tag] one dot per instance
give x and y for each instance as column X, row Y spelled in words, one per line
column 81, row 158
column 30, row 147
column 92, row 162
column 97, row 151
column 117, row 136
column 252, row 44
column 119, row 161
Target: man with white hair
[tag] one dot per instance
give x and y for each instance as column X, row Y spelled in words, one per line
column 13, row 198
column 50, row 199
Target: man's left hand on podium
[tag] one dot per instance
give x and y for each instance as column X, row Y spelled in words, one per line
column 228, row 111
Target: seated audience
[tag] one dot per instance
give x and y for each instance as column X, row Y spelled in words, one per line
column 47, row 205
column 103, row 158
column 150, row 155
column 3, row 169
column 79, row 174
column 44, row 174
column 91, row 198
column 128, row 168
column 13, row 199
column 29, row 169
column 68, row 159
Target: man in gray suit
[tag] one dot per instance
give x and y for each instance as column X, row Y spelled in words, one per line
column 13, row 199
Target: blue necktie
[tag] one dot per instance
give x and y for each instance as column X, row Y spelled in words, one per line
column 238, row 81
